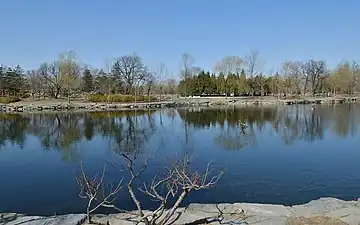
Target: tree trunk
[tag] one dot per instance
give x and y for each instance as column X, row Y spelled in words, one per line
column 69, row 95
column 108, row 98
column 161, row 93
column 176, row 205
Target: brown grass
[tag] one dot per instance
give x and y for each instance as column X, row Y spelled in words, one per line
column 314, row 220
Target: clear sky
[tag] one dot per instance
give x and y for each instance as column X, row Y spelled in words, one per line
column 33, row 31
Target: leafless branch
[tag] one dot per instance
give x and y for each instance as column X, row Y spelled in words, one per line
column 177, row 180
column 97, row 193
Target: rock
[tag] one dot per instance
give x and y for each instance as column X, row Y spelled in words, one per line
column 70, row 219
column 266, row 220
column 263, row 209
column 7, row 217
column 320, row 207
column 353, row 219
column 343, row 212
column 196, row 212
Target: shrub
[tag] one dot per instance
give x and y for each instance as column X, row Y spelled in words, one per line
column 6, row 100
column 120, row 98
column 118, row 114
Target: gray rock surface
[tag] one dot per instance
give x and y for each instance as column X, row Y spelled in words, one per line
column 70, row 219
column 342, row 212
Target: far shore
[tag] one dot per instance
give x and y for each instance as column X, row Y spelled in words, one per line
column 30, row 105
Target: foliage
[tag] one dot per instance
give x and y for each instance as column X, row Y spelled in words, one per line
column 12, row 82
column 88, row 81
column 120, row 98
column 118, row 114
column 10, row 99
column 307, row 78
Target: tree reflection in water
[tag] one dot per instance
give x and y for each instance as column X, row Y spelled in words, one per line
column 291, row 123
column 131, row 130
column 126, row 130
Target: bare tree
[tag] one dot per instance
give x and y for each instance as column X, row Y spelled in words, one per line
column 229, row 64
column 314, row 73
column 170, row 87
column 355, row 72
column 130, row 70
column 50, row 75
column 69, row 72
column 97, row 192
column 342, row 78
column 150, row 81
column 293, row 77
column 109, row 74
column 34, row 83
column 177, row 180
column 252, row 62
column 186, row 67
column 172, row 183
column 62, row 74
column 161, row 76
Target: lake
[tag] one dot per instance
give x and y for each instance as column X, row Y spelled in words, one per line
column 285, row 155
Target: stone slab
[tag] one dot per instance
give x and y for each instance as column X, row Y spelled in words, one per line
column 320, row 207
column 70, row 219
column 263, row 209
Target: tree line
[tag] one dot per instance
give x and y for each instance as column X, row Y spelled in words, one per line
column 66, row 76
column 239, row 76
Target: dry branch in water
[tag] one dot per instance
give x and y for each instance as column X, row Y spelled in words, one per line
column 96, row 191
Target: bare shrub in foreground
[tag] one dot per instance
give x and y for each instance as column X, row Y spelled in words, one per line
column 96, row 191
column 177, row 182
column 168, row 186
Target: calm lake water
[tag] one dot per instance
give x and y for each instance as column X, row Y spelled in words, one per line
column 287, row 155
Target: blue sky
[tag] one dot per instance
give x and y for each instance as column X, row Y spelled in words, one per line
column 161, row 30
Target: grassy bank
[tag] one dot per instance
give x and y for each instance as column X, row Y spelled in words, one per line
column 120, row 98
column 7, row 100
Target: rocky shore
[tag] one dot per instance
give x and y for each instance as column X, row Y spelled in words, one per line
column 191, row 102
column 324, row 211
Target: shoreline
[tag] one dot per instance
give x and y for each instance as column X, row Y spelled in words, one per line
column 326, row 210
column 58, row 105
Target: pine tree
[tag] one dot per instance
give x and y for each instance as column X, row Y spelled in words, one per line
column 231, row 87
column 2, row 80
column 242, row 85
column 88, row 85
column 13, row 81
column 221, row 84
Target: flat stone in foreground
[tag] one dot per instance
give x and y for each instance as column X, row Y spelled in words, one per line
column 330, row 211
column 70, row 219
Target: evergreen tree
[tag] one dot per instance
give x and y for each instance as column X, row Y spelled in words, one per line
column 231, row 87
column 242, row 84
column 13, row 81
column 101, row 82
column 212, row 88
column 2, row 80
column 221, row 84
column 88, row 80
